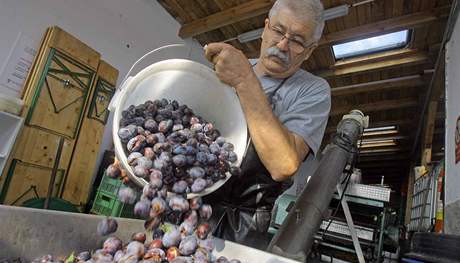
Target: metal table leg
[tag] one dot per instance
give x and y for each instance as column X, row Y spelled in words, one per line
column 351, row 226
column 382, row 227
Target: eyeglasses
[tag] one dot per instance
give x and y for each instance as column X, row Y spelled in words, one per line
column 295, row 44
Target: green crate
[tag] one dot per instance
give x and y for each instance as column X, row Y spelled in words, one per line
column 105, row 204
column 109, row 185
column 106, row 201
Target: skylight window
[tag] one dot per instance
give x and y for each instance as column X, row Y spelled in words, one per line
column 371, row 45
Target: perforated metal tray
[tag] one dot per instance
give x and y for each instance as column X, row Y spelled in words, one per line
column 342, row 228
column 369, row 192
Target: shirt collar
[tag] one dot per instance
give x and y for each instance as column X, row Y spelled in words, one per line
column 267, row 80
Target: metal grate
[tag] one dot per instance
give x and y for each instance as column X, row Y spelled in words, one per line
column 422, row 202
column 342, row 228
column 369, row 192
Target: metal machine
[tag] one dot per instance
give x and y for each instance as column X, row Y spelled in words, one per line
column 296, row 235
column 334, row 236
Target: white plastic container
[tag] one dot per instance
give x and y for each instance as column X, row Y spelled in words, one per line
column 9, row 130
column 10, row 104
column 189, row 83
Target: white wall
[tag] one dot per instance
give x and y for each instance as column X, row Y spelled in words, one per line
column 108, row 26
column 452, row 209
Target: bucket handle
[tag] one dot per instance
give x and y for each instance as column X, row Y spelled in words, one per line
column 148, row 54
column 114, row 102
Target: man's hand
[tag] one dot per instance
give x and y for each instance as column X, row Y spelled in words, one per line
column 231, row 65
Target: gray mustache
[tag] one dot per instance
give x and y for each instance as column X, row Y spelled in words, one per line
column 276, row 52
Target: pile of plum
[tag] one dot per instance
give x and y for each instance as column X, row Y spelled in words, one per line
column 179, row 231
column 186, row 242
column 177, row 152
column 167, row 143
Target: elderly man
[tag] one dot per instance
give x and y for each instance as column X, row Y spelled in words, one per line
column 286, row 109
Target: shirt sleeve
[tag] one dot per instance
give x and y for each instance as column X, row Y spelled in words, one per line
column 307, row 115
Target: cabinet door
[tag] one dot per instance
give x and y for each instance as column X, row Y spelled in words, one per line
column 78, row 183
column 60, row 98
column 40, row 147
column 27, row 180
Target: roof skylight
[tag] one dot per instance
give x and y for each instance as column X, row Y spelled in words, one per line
column 371, row 45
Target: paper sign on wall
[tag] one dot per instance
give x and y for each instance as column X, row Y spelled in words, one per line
column 17, row 65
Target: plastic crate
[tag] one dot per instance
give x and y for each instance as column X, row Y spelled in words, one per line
column 106, row 201
column 108, row 205
column 109, row 186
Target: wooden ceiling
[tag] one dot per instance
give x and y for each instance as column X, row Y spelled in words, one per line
column 389, row 86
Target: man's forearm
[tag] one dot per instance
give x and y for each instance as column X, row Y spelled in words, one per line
column 273, row 142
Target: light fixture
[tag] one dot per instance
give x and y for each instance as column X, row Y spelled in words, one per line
column 251, row 35
column 377, row 144
column 376, row 141
column 387, row 130
column 336, row 12
column 378, row 133
column 329, row 14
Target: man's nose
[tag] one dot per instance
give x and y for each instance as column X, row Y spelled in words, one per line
column 283, row 45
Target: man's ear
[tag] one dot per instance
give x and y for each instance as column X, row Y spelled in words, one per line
column 310, row 51
column 265, row 27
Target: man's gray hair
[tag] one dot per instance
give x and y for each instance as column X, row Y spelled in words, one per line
column 302, row 9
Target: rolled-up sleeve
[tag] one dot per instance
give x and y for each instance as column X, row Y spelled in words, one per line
column 308, row 112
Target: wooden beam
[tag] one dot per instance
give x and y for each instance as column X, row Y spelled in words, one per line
column 259, row 7
column 396, row 157
column 429, row 126
column 392, row 24
column 174, row 5
column 378, row 164
column 436, row 86
column 232, row 15
column 382, row 151
column 402, row 82
column 376, row 106
column 439, row 131
column 440, row 116
column 414, row 59
column 380, row 56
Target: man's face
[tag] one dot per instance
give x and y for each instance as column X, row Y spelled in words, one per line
column 287, row 41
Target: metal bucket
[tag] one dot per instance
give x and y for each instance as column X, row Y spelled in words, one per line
column 30, row 233
column 189, row 83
